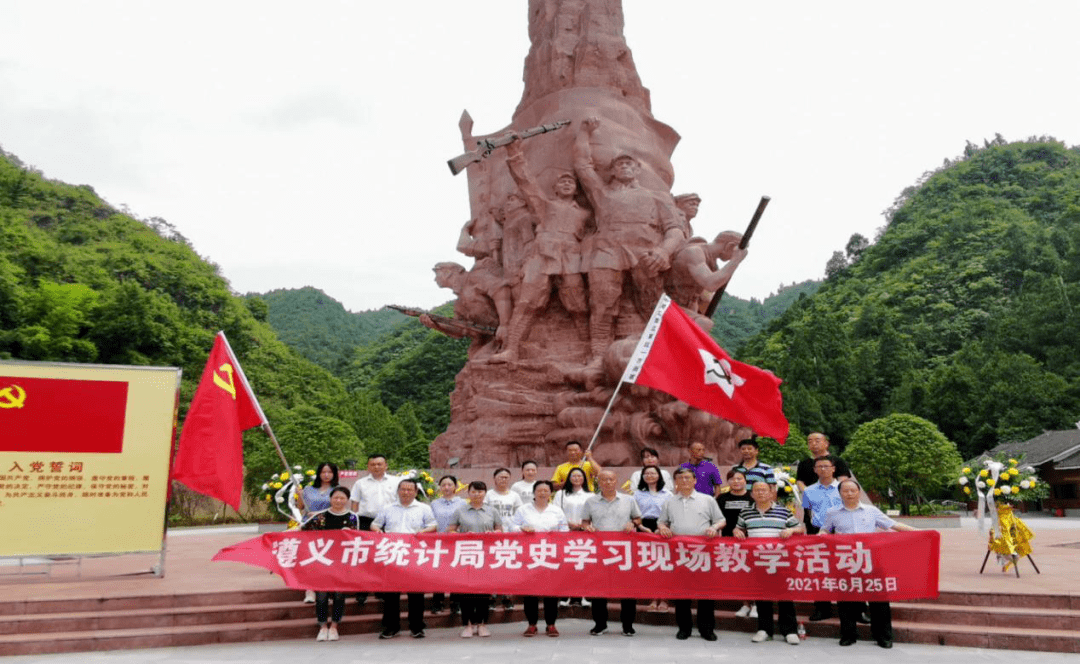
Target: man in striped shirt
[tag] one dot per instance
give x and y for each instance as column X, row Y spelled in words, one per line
column 754, row 470
column 765, row 518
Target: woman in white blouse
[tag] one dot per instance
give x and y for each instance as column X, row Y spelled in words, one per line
column 540, row 516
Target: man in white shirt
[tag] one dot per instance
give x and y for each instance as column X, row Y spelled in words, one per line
column 373, row 491
column 405, row 516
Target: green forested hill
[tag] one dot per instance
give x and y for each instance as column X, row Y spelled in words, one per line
column 81, row 282
column 736, row 320
column 413, row 367
column 320, row 328
column 964, row 311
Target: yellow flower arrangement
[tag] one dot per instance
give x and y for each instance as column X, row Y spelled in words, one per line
column 1015, row 481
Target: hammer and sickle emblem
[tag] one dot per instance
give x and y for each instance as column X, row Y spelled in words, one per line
column 9, row 399
column 229, row 386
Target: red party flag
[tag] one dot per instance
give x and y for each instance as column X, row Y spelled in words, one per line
column 210, row 459
column 676, row 356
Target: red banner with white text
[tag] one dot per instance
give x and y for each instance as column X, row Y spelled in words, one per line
column 873, row 567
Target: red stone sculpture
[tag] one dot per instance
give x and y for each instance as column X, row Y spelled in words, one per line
column 575, row 234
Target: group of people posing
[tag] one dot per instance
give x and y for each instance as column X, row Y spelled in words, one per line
column 693, row 500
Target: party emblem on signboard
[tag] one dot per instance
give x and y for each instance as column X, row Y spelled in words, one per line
column 12, row 396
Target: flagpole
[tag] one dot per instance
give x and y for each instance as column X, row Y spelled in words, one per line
column 603, row 417
column 636, row 358
column 265, row 425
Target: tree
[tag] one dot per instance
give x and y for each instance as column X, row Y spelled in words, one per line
column 903, row 456
column 790, row 453
column 856, row 244
column 307, row 438
column 835, row 265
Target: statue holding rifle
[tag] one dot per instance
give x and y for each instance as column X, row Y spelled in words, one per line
column 637, row 231
column 555, row 258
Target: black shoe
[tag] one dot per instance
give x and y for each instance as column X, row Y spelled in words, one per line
column 597, row 631
column 847, row 642
column 863, row 619
column 436, row 608
column 418, row 634
column 884, row 643
column 388, row 634
column 361, row 598
column 820, row 615
column 682, row 634
column 454, row 608
column 709, row 636
column 628, row 631
column 507, row 603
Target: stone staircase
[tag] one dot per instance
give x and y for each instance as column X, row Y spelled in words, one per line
column 1018, row 622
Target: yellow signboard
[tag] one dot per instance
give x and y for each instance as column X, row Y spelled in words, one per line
column 84, row 457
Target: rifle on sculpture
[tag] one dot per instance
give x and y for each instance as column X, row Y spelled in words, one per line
column 457, row 324
column 711, row 309
column 485, row 146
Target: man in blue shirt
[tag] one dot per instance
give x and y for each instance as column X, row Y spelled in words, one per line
column 818, row 499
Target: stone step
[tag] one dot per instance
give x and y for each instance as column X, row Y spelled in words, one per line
column 1006, row 600
column 35, row 606
column 142, row 622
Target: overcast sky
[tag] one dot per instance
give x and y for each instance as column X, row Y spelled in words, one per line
column 305, row 144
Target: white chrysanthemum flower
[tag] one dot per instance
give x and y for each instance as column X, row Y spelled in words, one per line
column 1025, row 485
column 981, row 485
column 265, row 487
column 280, row 499
column 963, row 481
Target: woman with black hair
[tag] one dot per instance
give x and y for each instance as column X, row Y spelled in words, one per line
column 336, row 517
column 540, row 516
column 444, row 508
column 650, row 496
column 315, row 498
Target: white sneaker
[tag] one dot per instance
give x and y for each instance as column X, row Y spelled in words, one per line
column 309, row 597
column 761, row 636
column 467, row 632
column 482, row 630
column 793, row 639
column 585, row 603
column 324, row 634
column 753, row 611
column 564, row 602
column 333, row 635
column 743, row 611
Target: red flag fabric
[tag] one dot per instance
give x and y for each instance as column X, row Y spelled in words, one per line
column 677, row 357
column 210, row 459
column 874, row 567
column 62, row 415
